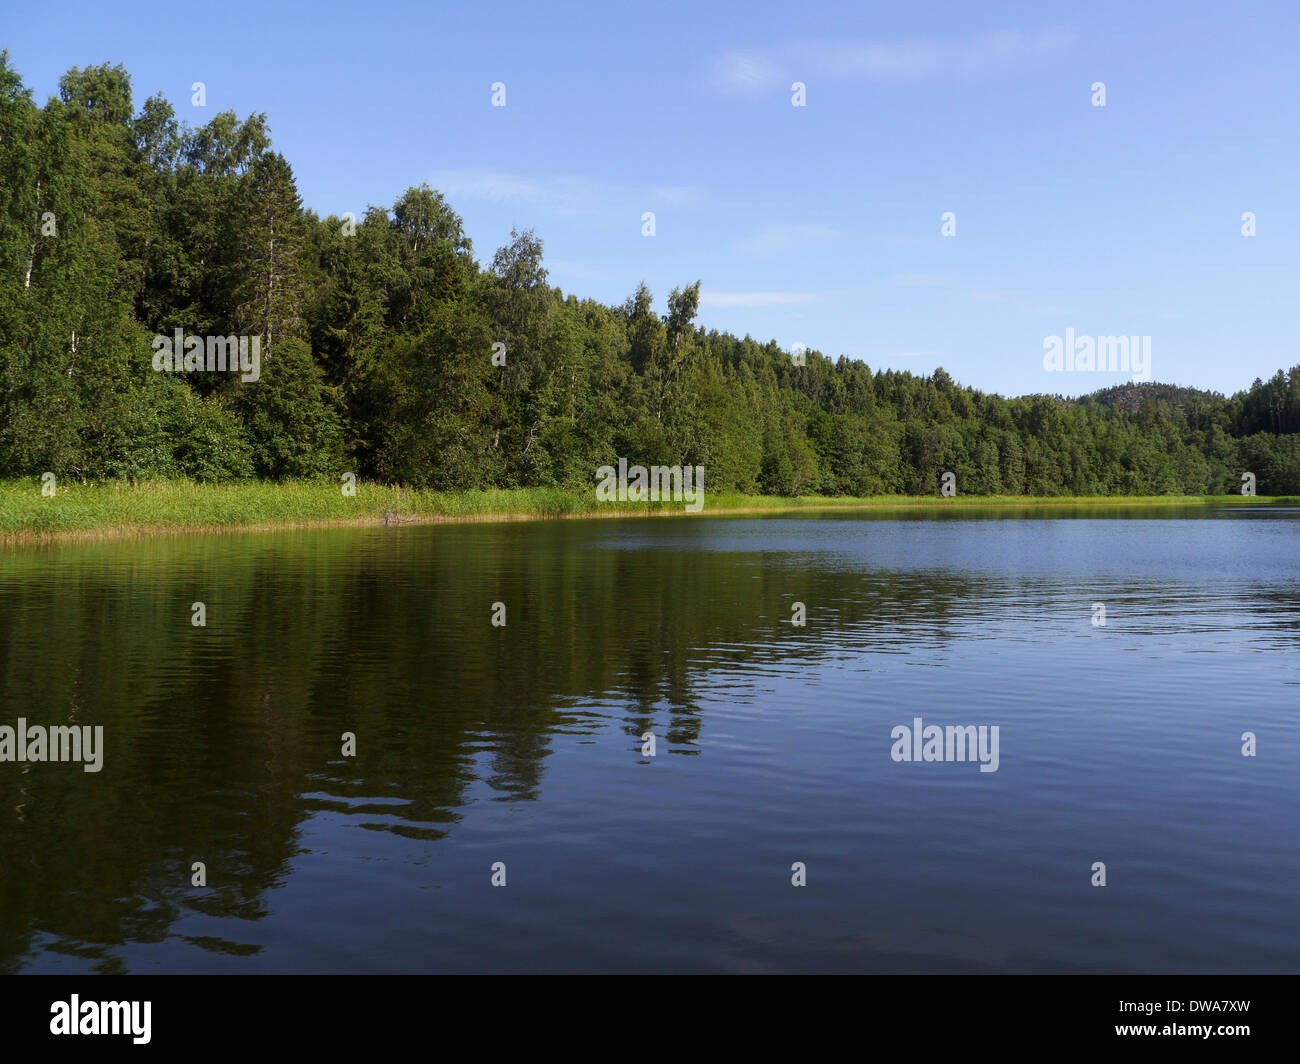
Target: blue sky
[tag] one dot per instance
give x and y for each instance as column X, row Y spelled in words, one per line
column 820, row 224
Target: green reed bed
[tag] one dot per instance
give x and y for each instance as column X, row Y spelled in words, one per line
column 115, row 507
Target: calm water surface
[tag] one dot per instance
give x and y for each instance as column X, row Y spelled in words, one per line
column 479, row 744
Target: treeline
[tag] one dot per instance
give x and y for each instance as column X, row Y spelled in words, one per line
column 378, row 337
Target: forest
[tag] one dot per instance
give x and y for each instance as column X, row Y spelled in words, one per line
column 389, row 350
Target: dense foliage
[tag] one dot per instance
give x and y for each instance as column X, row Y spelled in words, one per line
column 377, row 336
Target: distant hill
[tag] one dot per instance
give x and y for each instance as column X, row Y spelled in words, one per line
column 1129, row 397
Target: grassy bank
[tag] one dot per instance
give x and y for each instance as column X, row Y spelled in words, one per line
column 155, row 506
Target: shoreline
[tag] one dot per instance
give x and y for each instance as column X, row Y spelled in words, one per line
column 115, row 510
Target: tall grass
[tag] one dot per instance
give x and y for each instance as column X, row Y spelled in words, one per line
column 118, row 507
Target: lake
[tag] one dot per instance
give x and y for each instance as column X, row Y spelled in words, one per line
column 515, row 751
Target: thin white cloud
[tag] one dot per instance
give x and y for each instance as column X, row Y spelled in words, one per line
column 566, row 268
column 753, row 71
column 562, row 194
column 676, row 196
column 921, row 58
column 756, row 299
column 773, row 241
column 739, row 71
column 894, row 352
